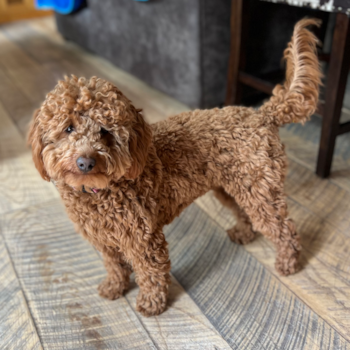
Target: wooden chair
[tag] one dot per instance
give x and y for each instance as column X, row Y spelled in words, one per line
column 339, row 65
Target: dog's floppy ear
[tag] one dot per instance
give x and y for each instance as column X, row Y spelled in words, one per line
column 35, row 140
column 139, row 142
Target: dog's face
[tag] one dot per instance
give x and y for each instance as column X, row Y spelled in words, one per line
column 87, row 133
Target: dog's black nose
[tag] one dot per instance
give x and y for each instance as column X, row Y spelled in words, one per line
column 86, row 164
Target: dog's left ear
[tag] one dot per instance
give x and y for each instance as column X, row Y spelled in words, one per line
column 139, row 142
column 35, row 140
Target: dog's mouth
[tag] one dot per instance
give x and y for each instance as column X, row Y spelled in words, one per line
column 95, row 190
column 83, row 189
column 93, row 183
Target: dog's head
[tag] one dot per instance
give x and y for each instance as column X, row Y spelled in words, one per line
column 87, row 133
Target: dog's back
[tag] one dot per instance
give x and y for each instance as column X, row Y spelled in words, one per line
column 200, row 146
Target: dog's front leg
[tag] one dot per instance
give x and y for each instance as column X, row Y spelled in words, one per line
column 151, row 264
column 118, row 272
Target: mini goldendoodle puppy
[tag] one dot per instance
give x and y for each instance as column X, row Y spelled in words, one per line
column 122, row 180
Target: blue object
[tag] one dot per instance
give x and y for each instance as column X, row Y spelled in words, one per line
column 61, row 6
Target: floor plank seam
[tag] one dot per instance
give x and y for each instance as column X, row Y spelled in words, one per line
column 23, row 292
column 330, row 223
column 52, row 200
column 6, row 34
column 203, row 314
column 141, row 323
column 19, row 87
column 131, row 308
column 280, row 281
column 306, row 166
column 9, row 113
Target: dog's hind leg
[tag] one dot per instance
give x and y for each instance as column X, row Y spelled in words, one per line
column 242, row 232
column 118, row 272
column 266, row 206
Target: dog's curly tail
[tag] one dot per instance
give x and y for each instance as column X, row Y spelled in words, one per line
column 296, row 100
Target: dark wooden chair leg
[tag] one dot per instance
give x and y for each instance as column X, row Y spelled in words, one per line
column 336, row 83
column 235, row 52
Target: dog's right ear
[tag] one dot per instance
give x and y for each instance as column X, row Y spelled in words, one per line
column 35, row 140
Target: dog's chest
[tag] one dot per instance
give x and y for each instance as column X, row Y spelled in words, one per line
column 109, row 219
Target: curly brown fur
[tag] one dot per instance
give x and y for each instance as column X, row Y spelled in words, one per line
column 296, row 100
column 242, row 232
column 146, row 175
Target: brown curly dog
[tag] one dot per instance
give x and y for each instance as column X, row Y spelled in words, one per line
column 122, row 180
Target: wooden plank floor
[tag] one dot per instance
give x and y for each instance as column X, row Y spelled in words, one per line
column 223, row 295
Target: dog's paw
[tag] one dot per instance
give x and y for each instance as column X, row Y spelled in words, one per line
column 286, row 266
column 111, row 289
column 152, row 303
column 240, row 236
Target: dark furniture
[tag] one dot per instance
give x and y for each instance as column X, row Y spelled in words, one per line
column 331, row 110
column 339, row 64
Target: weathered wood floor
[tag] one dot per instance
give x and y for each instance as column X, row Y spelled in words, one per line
column 223, row 295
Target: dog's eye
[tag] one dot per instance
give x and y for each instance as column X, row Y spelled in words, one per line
column 70, row 129
column 104, row 131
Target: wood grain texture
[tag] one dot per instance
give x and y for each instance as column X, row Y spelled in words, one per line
column 32, row 79
column 16, row 104
column 326, row 199
column 247, row 304
column 321, row 211
column 17, row 330
column 12, row 57
column 304, row 152
column 182, row 326
column 20, row 183
column 59, row 273
column 33, row 45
